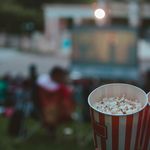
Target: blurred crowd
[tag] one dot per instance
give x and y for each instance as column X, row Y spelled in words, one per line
column 50, row 98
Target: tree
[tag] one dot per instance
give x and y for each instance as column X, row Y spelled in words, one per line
column 15, row 17
column 19, row 16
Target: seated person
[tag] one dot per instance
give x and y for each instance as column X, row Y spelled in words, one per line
column 55, row 97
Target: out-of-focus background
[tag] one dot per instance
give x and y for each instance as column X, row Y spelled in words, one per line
column 95, row 42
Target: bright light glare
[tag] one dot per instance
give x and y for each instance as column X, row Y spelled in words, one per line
column 99, row 13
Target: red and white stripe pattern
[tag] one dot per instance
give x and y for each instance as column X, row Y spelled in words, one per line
column 145, row 140
column 120, row 132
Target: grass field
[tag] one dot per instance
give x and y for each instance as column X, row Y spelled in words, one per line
column 80, row 139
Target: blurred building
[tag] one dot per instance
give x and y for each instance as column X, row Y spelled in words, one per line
column 59, row 18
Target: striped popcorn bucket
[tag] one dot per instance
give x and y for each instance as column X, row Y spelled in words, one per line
column 117, row 132
column 145, row 138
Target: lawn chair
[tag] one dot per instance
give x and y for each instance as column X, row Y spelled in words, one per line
column 55, row 108
column 18, row 123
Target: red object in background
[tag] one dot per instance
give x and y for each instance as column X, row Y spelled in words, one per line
column 56, row 105
column 8, row 112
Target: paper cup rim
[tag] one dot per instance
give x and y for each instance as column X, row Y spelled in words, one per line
column 148, row 95
column 119, row 115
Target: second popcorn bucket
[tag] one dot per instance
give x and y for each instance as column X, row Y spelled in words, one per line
column 117, row 131
column 145, row 138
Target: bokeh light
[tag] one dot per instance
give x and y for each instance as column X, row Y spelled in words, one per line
column 99, row 13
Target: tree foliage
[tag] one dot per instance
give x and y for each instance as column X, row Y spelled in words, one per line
column 18, row 15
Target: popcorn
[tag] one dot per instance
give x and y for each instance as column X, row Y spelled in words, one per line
column 116, row 105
